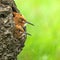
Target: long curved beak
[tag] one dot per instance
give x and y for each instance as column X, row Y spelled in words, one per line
column 28, row 34
column 30, row 23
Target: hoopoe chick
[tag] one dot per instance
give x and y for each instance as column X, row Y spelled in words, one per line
column 19, row 21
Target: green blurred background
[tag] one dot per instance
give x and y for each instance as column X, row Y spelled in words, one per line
column 44, row 44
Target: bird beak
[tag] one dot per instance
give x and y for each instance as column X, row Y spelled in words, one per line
column 28, row 34
column 30, row 23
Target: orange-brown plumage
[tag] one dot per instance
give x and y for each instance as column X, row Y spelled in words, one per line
column 19, row 21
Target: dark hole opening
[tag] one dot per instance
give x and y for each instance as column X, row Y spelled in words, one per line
column 14, row 9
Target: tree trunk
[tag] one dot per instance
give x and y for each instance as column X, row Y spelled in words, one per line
column 10, row 46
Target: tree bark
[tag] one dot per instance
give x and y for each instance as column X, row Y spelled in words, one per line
column 10, row 46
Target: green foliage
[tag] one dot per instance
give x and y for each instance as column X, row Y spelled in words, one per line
column 44, row 44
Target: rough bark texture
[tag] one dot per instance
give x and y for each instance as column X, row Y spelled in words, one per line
column 10, row 46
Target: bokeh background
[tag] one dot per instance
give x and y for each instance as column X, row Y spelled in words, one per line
column 44, row 44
